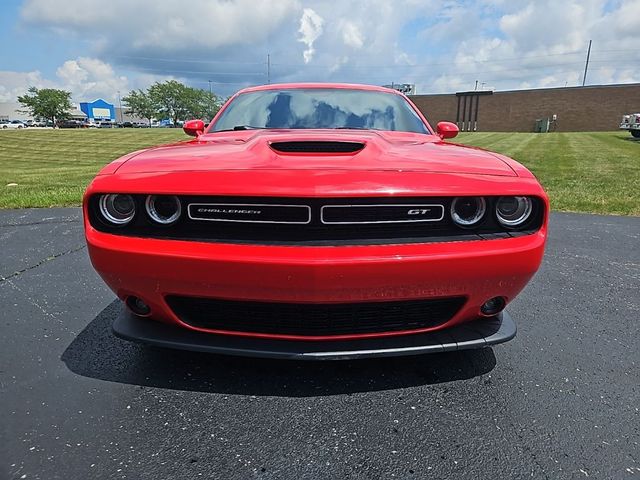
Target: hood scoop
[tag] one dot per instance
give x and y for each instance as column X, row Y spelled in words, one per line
column 316, row 147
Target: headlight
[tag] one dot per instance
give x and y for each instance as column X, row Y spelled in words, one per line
column 513, row 211
column 163, row 209
column 468, row 211
column 117, row 209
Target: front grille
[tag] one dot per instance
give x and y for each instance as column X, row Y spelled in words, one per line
column 303, row 319
column 317, row 147
column 250, row 213
column 314, row 221
column 363, row 214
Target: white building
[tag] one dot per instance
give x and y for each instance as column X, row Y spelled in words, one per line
column 12, row 111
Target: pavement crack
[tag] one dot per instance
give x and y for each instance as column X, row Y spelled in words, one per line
column 46, row 221
column 40, row 263
column 32, row 301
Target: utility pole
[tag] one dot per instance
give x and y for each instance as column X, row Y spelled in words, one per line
column 211, row 99
column 476, row 87
column 268, row 68
column 120, row 105
column 586, row 65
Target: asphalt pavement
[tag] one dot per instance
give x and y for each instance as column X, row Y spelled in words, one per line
column 561, row 401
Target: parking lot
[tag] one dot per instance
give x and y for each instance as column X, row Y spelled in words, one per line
column 561, row 401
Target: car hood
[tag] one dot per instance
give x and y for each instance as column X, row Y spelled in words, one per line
column 258, row 149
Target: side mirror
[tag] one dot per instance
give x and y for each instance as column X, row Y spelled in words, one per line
column 193, row 127
column 447, row 130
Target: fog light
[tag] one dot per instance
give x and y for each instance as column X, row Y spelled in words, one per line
column 493, row 306
column 137, row 306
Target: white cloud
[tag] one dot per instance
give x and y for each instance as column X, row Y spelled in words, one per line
column 440, row 46
column 13, row 84
column 352, row 35
column 310, row 30
column 520, row 44
column 90, row 77
column 168, row 25
column 86, row 78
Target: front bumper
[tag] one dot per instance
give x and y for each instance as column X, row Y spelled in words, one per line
column 155, row 269
column 478, row 334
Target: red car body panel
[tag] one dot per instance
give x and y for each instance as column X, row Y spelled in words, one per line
column 391, row 165
column 152, row 269
column 249, row 150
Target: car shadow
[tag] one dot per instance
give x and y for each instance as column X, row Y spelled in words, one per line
column 97, row 353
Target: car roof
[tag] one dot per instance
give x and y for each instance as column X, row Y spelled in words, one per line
column 346, row 86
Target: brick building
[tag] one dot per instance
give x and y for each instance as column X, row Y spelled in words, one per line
column 577, row 109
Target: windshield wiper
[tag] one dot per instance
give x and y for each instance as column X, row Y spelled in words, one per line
column 241, row 127
column 354, row 128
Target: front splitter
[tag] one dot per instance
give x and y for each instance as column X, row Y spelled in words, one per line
column 477, row 334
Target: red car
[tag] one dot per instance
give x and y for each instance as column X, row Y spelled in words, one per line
column 316, row 221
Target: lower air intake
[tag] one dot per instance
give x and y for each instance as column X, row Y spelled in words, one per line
column 306, row 320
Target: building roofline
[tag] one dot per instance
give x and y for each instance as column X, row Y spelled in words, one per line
column 98, row 100
column 580, row 87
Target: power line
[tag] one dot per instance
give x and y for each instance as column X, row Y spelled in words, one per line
column 417, row 65
column 433, row 64
column 461, row 70
column 186, row 60
column 201, row 72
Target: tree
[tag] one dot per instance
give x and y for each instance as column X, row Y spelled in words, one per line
column 174, row 100
column 170, row 99
column 203, row 104
column 48, row 103
column 139, row 103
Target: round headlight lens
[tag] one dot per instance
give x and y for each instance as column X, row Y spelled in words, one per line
column 117, row 209
column 163, row 209
column 513, row 211
column 468, row 211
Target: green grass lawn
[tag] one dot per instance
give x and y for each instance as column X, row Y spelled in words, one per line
column 582, row 172
column 596, row 172
column 53, row 167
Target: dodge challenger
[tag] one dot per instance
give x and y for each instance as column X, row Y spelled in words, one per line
column 316, row 221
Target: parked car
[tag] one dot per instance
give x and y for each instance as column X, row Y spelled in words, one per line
column 127, row 125
column 12, row 124
column 70, row 124
column 336, row 224
column 35, row 123
column 106, row 125
column 631, row 123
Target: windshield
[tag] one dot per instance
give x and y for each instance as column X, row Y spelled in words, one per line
column 320, row 108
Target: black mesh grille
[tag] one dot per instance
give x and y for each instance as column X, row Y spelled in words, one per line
column 317, row 147
column 314, row 319
column 314, row 221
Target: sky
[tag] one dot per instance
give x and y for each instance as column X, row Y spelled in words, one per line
column 105, row 48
